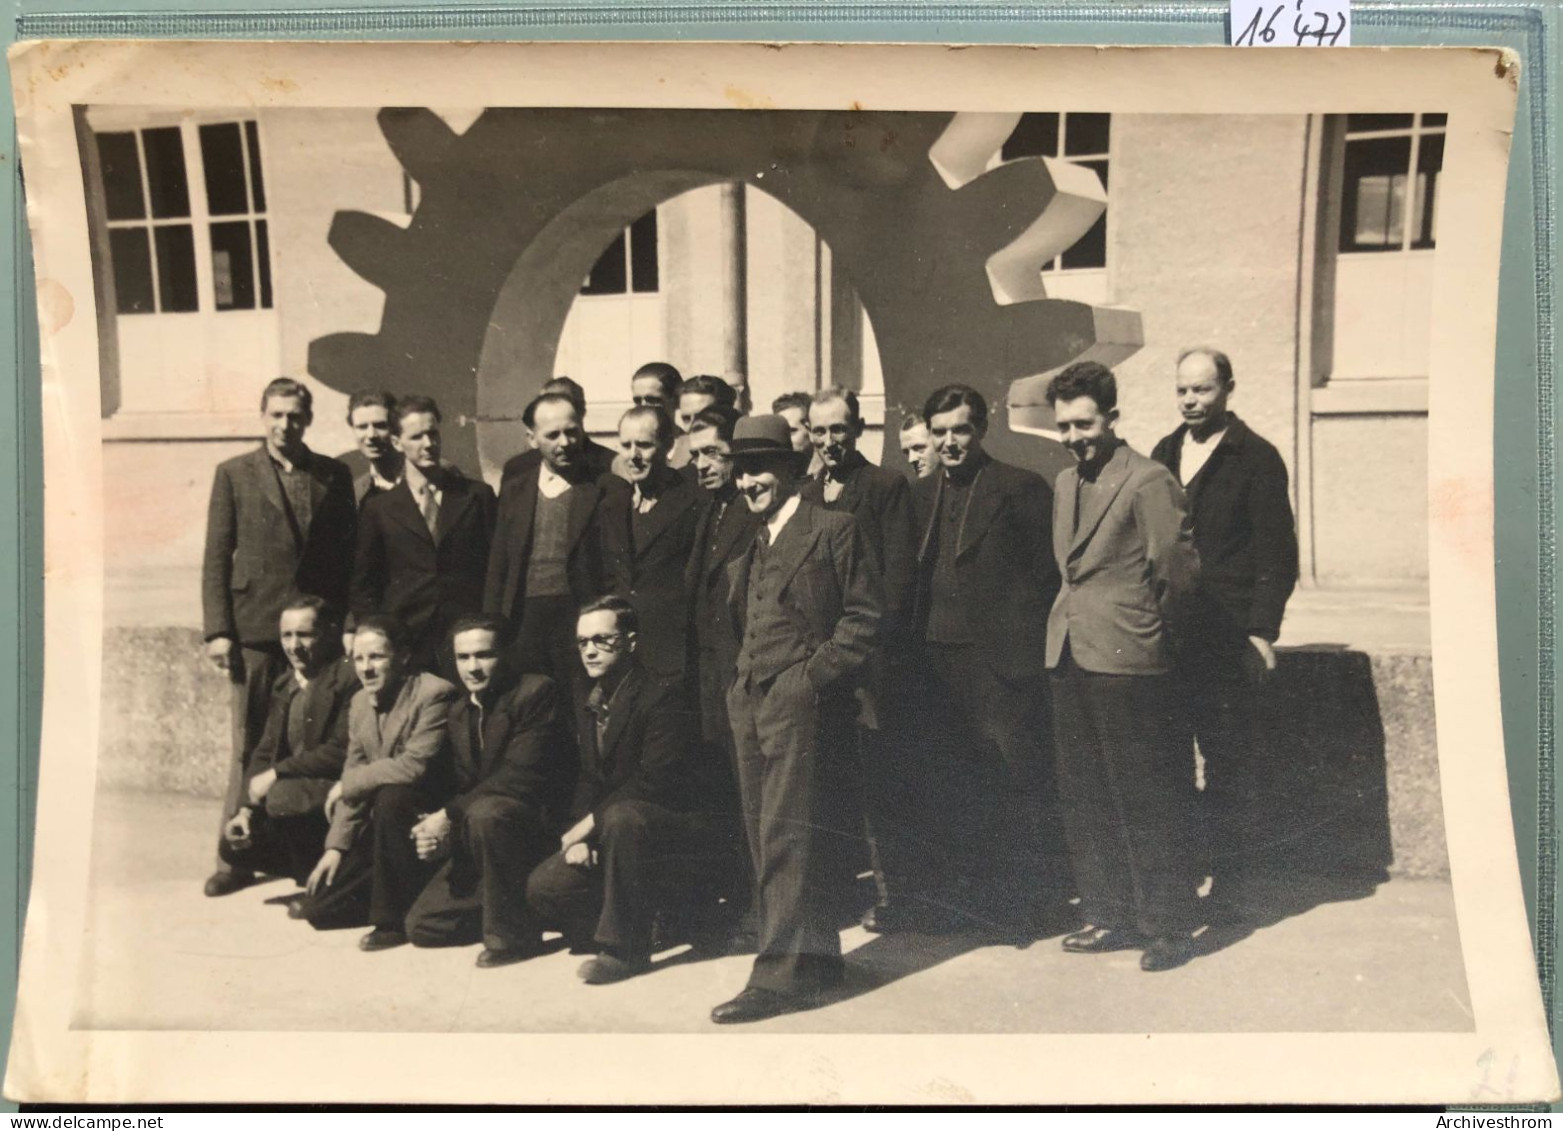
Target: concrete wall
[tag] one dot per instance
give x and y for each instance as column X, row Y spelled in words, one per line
column 1370, row 499
column 1204, row 243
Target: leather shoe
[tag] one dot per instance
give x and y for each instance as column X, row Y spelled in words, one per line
column 382, row 938
column 488, row 957
column 608, row 968
column 1167, row 954
column 1101, row 940
column 756, row 1004
column 226, row 883
column 296, row 908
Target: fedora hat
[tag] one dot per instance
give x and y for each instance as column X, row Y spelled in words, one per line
column 758, row 439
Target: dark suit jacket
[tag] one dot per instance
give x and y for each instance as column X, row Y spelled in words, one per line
column 1244, row 532
column 253, row 566
column 1129, row 568
column 881, row 501
column 648, row 751
column 831, row 596
column 426, row 581
column 599, row 462
column 305, row 774
column 1004, row 565
column 713, row 649
column 650, row 573
column 504, row 590
column 525, row 752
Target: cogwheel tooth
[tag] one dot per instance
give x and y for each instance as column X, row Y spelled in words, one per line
column 1116, row 335
column 1077, row 202
column 345, row 361
column 964, row 150
column 419, row 138
column 371, row 245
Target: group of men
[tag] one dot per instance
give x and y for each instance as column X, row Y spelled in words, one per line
column 704, row 679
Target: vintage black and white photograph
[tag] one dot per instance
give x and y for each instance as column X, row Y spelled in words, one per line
column 740, row 548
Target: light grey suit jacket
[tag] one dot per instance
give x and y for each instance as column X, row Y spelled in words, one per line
column 399, row 751
column 1129, row 570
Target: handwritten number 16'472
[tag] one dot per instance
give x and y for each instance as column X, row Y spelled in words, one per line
column 1316, row 28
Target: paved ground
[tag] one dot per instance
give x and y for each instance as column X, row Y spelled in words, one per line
column 161, row 956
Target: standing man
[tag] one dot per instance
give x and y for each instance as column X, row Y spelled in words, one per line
column 806, row 601
column 397, row 770
column 1247, row 542
column 280, row 826
column 1124, row 547
column 280, row 526
column 598, row 457
column 986, row 578
column 640, row 812
column 547, row 556
column 881, row 503
column 371, row 414
column 723, row 531
column 647, row 523
column 920, row 460
column 655, row 385
column 513, row 764
column 423, row 546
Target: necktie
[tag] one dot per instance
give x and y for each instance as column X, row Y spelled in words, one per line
column 430, row 508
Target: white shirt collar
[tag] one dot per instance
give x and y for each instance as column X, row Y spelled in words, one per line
column 550, row 484
column 782, row 516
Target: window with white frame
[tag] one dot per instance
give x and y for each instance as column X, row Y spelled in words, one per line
column 630, row 263
column 1390, row 188
column 160, row 217
column 1082, row 139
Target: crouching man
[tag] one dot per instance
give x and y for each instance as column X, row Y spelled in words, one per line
column 642, row 810
column 513, row 763
column 280, row 827
column 397, row 770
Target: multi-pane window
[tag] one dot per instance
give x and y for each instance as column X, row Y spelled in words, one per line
column 1390, row 191
column 630, row 262
column 160, row 217
column 1082, row 139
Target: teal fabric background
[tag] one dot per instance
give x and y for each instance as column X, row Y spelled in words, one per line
column 1526, row 409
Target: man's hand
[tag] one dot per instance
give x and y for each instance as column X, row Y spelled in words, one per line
column 260, row 786
column 325, row 871
column 578, row 854
column 431, row 834
column 1259, row 660
column 237, row 831
column 219, row 653
column 332, row 798
column 578, row 833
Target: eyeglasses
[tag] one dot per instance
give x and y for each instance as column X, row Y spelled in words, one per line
column 607, row 642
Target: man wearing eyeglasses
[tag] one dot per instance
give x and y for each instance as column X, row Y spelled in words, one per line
column 806, row 603
column 639, row 809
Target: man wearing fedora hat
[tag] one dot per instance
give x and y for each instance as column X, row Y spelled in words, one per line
column 806, row 601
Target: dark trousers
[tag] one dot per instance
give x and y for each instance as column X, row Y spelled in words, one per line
column 380, row 876
column 545, row 644
column 1221, row 708
column 1023, row 858
column 792, row 746
column 479, row 893
column 278, row 846
column 1128, row 797
column 252, row 671
column 645, row 854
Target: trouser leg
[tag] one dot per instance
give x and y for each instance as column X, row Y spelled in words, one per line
column 799, row 948
column 506, row 838
column 445, row 913
column 566, row 897
column 398, row 876
column 279, row 846
column 1091, row 825
column 346, row 902
column 253, row 670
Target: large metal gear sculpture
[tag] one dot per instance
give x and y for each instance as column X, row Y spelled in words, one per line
column 944, row 246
